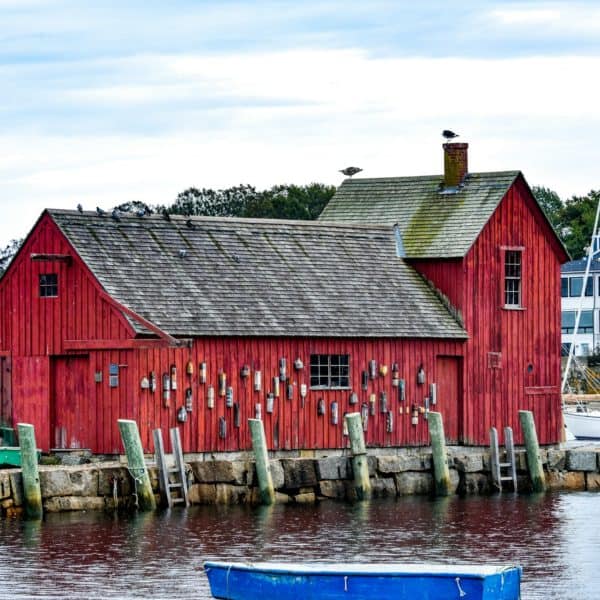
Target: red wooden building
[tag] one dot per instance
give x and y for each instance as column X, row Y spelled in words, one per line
column 205, row 322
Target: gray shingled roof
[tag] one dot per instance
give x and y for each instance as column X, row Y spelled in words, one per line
column 258, row 277
column 433, row 224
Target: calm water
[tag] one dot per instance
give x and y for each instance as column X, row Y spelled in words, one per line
column 83, row 555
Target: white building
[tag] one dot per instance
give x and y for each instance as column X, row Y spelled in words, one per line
column 588, row 335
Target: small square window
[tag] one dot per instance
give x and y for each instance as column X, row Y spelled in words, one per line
column 49, row 285
column 329, row 371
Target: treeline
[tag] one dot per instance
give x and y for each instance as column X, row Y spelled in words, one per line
column 572, row 219
column 279, row 202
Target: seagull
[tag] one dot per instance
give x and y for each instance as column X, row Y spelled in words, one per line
column 140, row 212
column 349, row 171
column 449, row 135
column 182, row 253
column 100, row 211
column 80, row 208
column 115, row 215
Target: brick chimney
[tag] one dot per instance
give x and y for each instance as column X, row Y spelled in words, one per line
column 455, row 164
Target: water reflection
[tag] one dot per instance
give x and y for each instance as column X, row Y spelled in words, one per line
column 82, row 555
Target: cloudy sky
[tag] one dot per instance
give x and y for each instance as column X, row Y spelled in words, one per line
column 105, row 101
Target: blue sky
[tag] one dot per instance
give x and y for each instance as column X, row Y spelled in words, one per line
column 104, row 102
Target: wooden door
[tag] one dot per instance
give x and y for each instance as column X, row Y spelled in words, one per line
column 5, row 395
column 448, row 376
column 71, row 417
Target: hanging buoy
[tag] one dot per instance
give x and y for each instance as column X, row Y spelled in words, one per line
column 383, row 370
column 245, row 371
column 395, row 375
column 389, row 422
column 182, row 415
column 189, row 368
column 372, row 401
column 334, row 413
column 188, row 400
column 257, row 381
column 202, row 373
column 421, row 375
column 282, row 369
column 415, row 415
column 210, row 397
column 270, row 402
column 236, row 415
column 303, row 390
column 229, row 397
column 426, row 406
column 321, row 407
column 290, row 391
column 433, row 393
column 365, row 380
column 152, row 381
column 173, row 377
column 402, row 390
column 353, row 398
column 298, row 364
column 144, row 383
column 364, row 415
column 276, row 387
column 383, row 402
column 166, row 390
column 345, row 431
column 372, row 369
column 258, row 411
column 222, row 427
column 222, row 383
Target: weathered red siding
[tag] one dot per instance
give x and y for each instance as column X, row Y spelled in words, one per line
column 494, row 395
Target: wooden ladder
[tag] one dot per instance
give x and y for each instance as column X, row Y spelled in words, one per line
column 166, row 474
column 508, row 465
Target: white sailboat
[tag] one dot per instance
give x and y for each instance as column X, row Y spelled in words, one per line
column 584, row 424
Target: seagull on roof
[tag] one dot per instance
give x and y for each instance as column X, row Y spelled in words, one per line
column 80, row 208
column 140, row 212
column 349, row 171
column 115, row 215
column 449, row 135
column 166, row 215
column 100, row 211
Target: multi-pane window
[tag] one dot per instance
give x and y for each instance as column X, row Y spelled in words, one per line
column 512, row 278
column 571, row 287
column 48, row 285
column 329, row 370
column 586, row 321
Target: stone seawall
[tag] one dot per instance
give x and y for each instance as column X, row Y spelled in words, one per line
column 232, row 480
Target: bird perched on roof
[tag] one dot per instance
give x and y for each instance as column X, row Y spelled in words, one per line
column 80, row 208
column 140, row 212
column 190, row 224
column 115, row 215
column 166, row 215
column 349, row 171
column 449, row 135
column 100, row 211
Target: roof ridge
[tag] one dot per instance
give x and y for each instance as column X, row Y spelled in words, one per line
column 436, row 176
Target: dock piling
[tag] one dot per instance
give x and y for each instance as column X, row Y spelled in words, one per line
column 32, row 493
column 441, row 472
column 360, row 466
column 263, row 471
column 136, row 464
column 534, row 460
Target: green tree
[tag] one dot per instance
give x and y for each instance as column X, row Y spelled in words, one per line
column 577, row 222
column 230, row 202
column 551, row 204
column 7, row 253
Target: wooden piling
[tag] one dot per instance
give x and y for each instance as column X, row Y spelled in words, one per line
column 263, row 471
column 32, row 493
column 360, row 466
column 136, row 464
column 441, row 472
column 534, row 459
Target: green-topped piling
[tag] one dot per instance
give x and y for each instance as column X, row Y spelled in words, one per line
column 360, row 466
column 263, row 471
column 32, row 493
column 136, row 464
column 441, row 472
column 534, row 459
